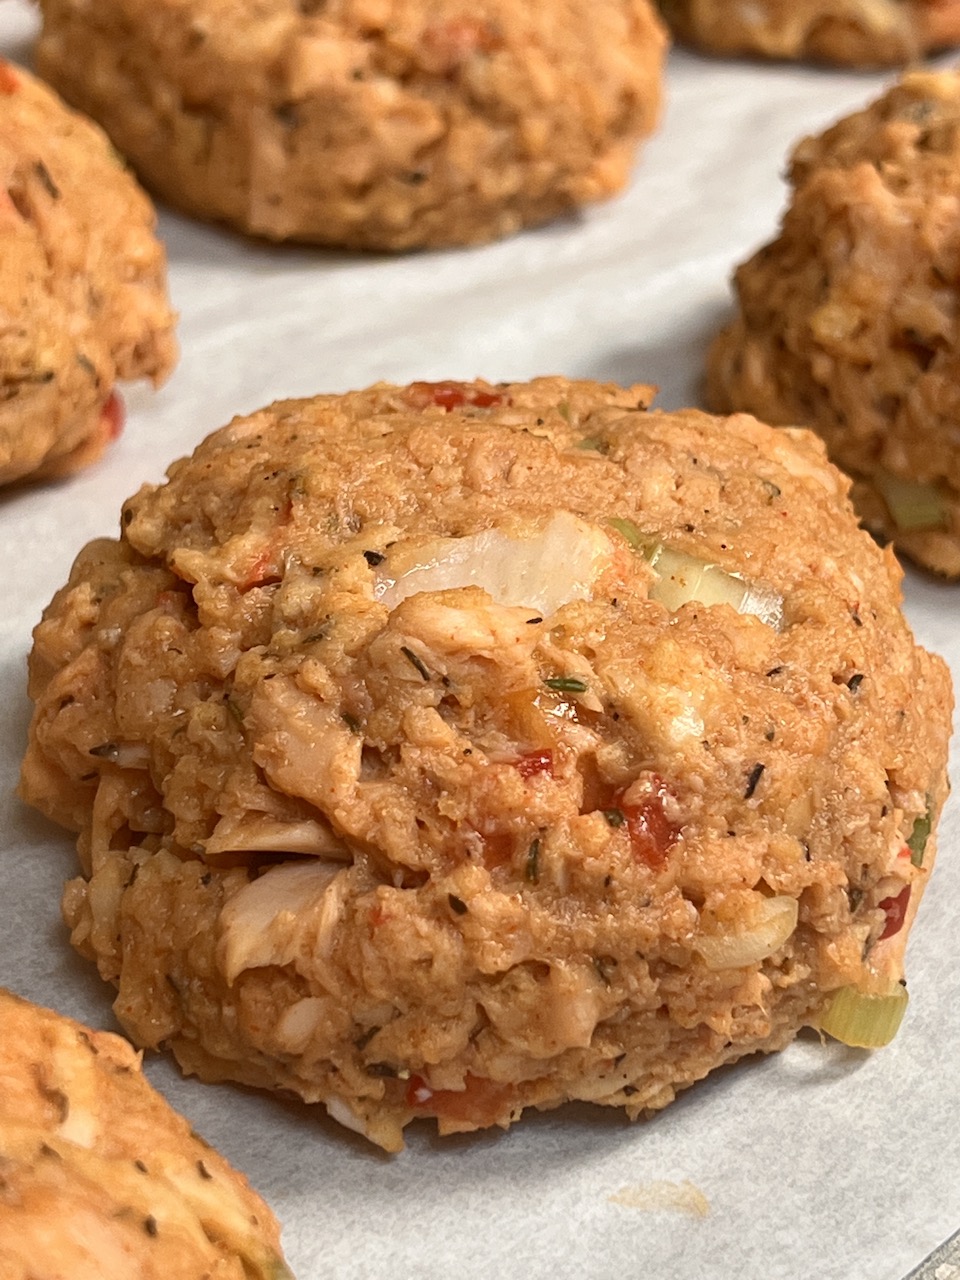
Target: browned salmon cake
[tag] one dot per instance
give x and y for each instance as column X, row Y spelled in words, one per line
column 847, row 321
column 83, row 296
column 450, row 749
column 855, row 33
column 373, row 124
column 100, row 1177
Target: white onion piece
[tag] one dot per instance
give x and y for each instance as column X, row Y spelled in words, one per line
column 552, row 567
column 683, row 578
column 255, row 833
column 266, row 922
column 338, row 1110
column 774, row 921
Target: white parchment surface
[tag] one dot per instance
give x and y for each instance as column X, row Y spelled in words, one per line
column 817, row 1164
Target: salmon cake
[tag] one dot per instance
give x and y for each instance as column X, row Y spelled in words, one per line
column 847, row 321
column 100, row 1177
column 369, row 124
column 82, row 283
column 451, row 749
column 852, row 33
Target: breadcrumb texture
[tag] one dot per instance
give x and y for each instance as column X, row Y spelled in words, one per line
column 372, row 124
column 83, row 298
column 100, row 1177
column 854, row 33
column 400, row 787
column 847, row 321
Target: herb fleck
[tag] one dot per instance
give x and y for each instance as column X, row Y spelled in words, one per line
column 457, row 904
column 753, row 777
column 48, row 184
column 615, row 817
column 855, row 681
column 150, row 1225
column 566, row 684
column 373, row 558
column 532, row 869
column 414, row 661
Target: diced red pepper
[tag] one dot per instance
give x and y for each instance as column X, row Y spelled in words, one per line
column 260, row 572
column 452, row 395
column 481, row 1102
column 452, row 42
column 895, row 909
column 651, row 832
column 9, row 80
column 533, row 762
column 113, row 417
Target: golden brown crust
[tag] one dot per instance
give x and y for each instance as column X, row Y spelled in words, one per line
column 854, row 33
column 100, row 1177
column 847, row 322
column 374, row 124
column 518, row 832
column 82, row 284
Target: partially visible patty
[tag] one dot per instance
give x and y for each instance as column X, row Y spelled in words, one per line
column 372, row 124
column 855, row 33
column 100, row 1177
column 847, row 321
column 83, row 298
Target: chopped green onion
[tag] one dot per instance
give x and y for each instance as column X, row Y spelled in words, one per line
column 865, row 1021
column 566, row 684
column 630, row 532
column 615, row 817
column 918, row 839
column 278, row 1270
column 591, row 444
column 415, row 662
column 913, row 505
column 685, row 578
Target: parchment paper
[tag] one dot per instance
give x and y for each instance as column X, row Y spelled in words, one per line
column 819, row 1163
